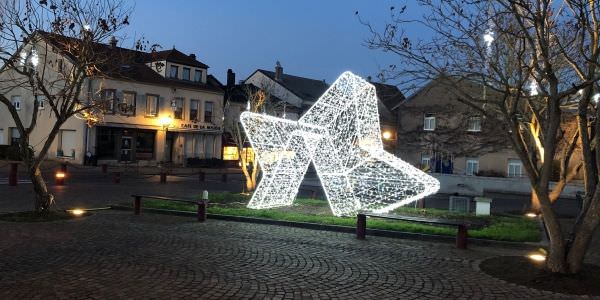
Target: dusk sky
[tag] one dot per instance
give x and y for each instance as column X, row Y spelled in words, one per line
column 311, row 38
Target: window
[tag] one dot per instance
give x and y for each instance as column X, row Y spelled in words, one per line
column 59, row 65
column 144, row 145
column 474, row 124
column 66, row 143
column 425, row 162
column 15, row 135
column 515, row 168
column 16, row 101
column 40, row 100
column 186, row 74
column 177, row 105
column 127, row 106
column 194, row 110
column 230, row 153
column 208, row 112
column 108, row 98
column 429, row 122
column 174, row 72
column 198, row 75
column 472, row 167
column 1, row 136
column 151, row 105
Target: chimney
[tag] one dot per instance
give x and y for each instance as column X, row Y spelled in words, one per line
column 369, row 78
column 278, row 71
column 112, row 42
column 193, row 56
column 230, row 78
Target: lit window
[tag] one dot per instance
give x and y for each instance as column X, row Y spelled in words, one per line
column 174, row 72
column 40, row 100
column 108, row 98
column 425, row 162
column 16, row 101
column 198, row 75
column 429, row 122
column 515, row 168
column 230, row 153
column 472, row 167
column 177, row 106
column 127, row 106
column 208, row 112
column 186, row 74
column 151, row 105
column 194, row 110
column 248, row 154
column 474, row 124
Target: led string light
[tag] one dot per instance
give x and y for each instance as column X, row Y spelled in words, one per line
column 341, row 135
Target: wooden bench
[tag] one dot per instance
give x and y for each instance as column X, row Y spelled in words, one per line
column 461, row 234
column 137, row 204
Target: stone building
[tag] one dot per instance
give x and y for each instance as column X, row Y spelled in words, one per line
column 160, row 107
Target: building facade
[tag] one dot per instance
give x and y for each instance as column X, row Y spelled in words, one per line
column 440, row 134
column 159, row 107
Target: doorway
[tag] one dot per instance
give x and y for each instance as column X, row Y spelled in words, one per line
column 169, row 146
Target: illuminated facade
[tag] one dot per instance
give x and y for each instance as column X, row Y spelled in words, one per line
column 341, row 135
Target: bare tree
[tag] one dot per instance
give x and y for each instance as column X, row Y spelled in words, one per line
column 49, row 48
column 538, row 62
column 259, row 101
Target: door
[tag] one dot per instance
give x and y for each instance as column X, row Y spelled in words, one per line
column 126, row 148
column 169, row 147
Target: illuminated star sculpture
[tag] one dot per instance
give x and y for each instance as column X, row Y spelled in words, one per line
column 340, row 134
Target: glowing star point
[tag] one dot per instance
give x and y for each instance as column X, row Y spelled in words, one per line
column 340, row 134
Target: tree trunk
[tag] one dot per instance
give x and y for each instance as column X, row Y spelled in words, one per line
column 535, row 203
column 556, row 261
column 583, row 234
column 43, row 198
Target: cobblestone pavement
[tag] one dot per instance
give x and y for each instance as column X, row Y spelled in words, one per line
column 116, row 255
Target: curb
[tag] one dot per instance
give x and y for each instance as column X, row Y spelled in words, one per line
column 343, row 229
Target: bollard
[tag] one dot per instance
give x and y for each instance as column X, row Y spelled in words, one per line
column 137, row 205
column 163, row 177
column 224, row 177
column 202, row 176
column 116, row 177
column 461, row 237
column 361, row 226
column 202, row 207
column 12, row 175
column 104, row 168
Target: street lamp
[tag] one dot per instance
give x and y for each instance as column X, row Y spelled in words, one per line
column 386, row 135
column 165, row 122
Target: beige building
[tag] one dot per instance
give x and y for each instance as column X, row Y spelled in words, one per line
column 442, row 135
column 161, row 107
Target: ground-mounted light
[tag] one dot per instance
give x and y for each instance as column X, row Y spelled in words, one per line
column 77, row 212
column 386, row 135
column 341, row 135
column 537, row 257
column 531, row 215
column 59, row 177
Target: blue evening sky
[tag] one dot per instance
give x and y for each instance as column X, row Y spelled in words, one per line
column 312, row 38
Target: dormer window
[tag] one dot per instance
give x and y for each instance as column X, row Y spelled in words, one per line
column 186, row 74
column 174, row 72
column 198, row 75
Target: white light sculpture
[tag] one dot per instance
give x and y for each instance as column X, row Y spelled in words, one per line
column 341, row 135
